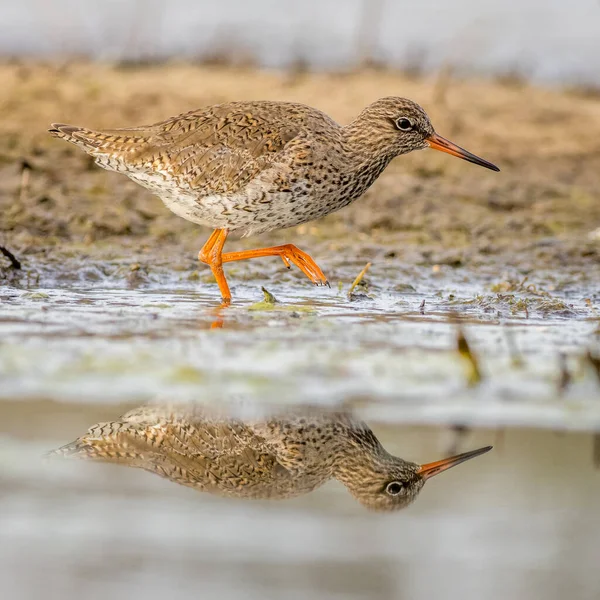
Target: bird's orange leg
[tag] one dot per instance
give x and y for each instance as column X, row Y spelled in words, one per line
column 212, row 255
column 289, row 254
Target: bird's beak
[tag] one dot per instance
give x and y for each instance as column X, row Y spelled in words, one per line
column 431, row 469
column 437, row 142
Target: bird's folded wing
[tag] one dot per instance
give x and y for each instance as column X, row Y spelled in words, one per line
column 218, row 150
column 184, row 448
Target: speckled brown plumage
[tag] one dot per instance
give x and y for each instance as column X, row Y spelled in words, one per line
column 251, row 167
column 281, row 457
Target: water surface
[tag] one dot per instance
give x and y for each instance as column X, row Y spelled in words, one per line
column 521, row 522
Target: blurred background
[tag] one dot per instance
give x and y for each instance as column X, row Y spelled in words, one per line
column 543, row 40
column 477, row 322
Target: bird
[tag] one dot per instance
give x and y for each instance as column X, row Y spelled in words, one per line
column 249, row 167
column 284, row 455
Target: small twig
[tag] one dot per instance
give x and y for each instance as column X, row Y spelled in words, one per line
column 15, row 264
column 422, row 307
column 24, row 184
column 473, row 370
column 565, row 375
column 358, row 279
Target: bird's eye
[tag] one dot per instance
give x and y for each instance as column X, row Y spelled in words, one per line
column 404, row 124
column 394, row 488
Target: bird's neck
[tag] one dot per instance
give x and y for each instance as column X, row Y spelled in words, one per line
column 366, row 153
column 361, row 452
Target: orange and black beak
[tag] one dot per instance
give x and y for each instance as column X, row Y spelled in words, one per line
column 431, row 469
column 437, row 142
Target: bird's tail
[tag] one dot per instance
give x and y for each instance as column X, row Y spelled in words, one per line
column 118, row 144
column 110, row 442
column 87, row 139
column 75, row 449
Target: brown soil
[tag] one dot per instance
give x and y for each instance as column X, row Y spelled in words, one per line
column 542, row 211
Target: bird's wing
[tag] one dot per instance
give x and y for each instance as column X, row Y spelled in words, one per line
column 185, row 448
column 218, row 149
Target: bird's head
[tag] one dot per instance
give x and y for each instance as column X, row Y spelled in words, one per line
column 402, row 126
column 390, row 483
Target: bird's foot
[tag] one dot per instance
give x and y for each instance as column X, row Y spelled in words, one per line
column 292, row 254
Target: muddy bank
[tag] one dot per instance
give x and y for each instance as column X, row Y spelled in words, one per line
column 540, row 214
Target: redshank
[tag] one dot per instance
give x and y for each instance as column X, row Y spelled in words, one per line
column 287, row 455
column 252, row 167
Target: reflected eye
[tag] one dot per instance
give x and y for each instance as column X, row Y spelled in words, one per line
column 404, row 124
column 394, row 488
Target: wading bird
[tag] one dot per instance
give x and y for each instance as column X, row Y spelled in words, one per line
column 252, row 167
column 287, row 455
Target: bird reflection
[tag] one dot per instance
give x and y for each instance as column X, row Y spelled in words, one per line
column 219, row 317
column 282, row 456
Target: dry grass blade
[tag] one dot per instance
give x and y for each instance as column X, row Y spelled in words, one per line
column 358, row 279
column 472, row 364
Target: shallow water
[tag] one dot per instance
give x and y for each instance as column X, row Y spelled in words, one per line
column 88, row 343
column 521, row 522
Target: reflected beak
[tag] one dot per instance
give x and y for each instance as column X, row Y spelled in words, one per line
column 431, row 469
column 437, row 142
